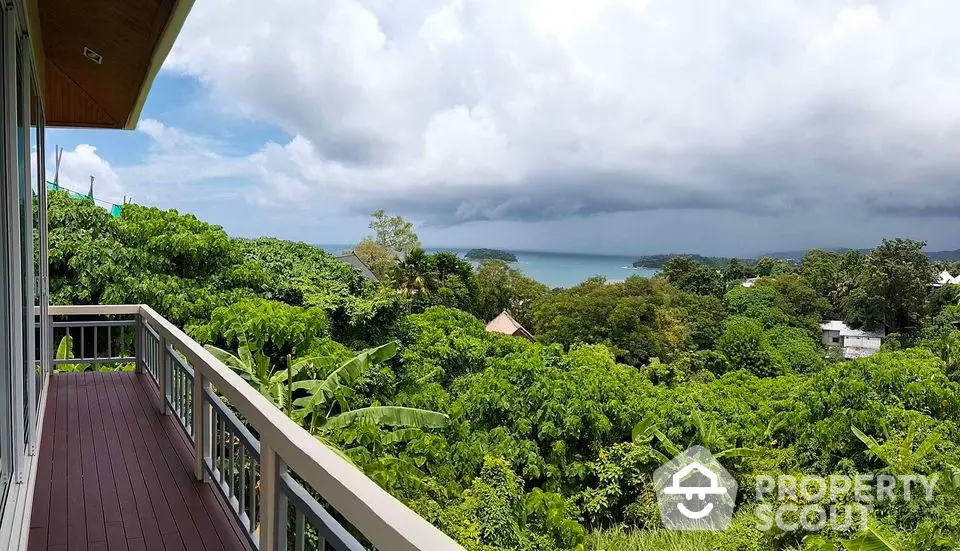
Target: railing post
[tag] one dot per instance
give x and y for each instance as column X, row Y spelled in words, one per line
column 138, row 344
column 281, row 514
column 269, row 490
column 163, row 373
column 202, row 425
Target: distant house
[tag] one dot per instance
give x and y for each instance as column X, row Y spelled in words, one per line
column 358, row 264
column 855, row 343
column 504, row 323
column 749, row 282
column 944, row 278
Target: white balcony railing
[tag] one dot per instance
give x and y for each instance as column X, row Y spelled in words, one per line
column 257, row 477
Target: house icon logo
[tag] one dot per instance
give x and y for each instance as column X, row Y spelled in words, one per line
column 695, row 492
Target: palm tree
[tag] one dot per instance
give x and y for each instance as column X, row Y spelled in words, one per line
column 414, row 275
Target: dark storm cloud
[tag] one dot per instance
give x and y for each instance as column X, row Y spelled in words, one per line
column 558, row 196
column 528, row 111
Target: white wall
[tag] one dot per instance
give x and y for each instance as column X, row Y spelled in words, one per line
column 872, row 343
column 828, row 337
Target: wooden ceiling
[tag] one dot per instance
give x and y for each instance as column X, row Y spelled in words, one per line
column 79, row 92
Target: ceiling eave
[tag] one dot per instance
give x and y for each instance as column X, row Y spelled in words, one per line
column 167, row 38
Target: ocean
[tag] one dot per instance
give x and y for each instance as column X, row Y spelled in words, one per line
column 555, row 269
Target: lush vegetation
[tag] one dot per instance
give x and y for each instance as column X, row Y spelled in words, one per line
column 491, row 254
column 657, row 261
column 509, row 444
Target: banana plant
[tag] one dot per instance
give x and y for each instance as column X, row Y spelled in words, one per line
column 255, row 367
column 903, row 459
column 953, row 475
column 65, row 352
column 707, row 436
column 816, row 542
column 872, row 539
column 324, row 395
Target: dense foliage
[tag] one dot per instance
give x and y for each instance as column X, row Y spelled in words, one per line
column 510, row 444
column 660, row 260
column 491, row 254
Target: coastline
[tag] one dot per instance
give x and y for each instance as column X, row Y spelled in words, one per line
column 554, row 269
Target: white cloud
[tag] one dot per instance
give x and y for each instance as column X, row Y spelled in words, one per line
column 443, row 26
column 472, row 109
column 79, row 164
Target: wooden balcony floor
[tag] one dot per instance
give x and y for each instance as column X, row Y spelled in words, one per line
column 114, row 474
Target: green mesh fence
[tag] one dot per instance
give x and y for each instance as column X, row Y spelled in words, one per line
column 115, row 210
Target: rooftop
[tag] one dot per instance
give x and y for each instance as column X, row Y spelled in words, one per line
column 847, row 331
column 504, row 323
column 358, row 264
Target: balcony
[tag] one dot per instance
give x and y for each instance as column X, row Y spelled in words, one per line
column 151, row 456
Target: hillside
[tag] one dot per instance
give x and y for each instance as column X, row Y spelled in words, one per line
column 657, row 261
column 943, row 256
column 540, row 445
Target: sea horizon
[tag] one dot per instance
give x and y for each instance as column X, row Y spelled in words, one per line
column 552, row 268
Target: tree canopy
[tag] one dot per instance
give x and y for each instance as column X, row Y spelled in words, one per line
column 509, row 444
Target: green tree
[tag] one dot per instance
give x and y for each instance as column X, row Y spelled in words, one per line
column 638, row 318
column 796, row 349
column 450, row 265
column 883, row 395
column 496, row 515
column 392, row 240
column 767, row 266
column 892, row 287
column 687, row 275
column 500, row 287
column 746, row 346
column 759, row 302
column 796, row 298
column 903, row 457
column 736, row 271
column 394, row 233
column 948, row 348
column 270, row 327
column 377, row 257
column 703, row 316
column 822, row 271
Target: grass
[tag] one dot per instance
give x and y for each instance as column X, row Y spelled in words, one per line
column 620, row 539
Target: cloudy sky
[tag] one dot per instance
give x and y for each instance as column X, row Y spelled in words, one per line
column 625, row 126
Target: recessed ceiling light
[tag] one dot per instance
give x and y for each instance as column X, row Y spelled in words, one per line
column 92, row 55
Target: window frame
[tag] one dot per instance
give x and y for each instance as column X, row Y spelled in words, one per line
column 20, row 383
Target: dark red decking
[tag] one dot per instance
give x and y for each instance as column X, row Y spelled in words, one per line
column 114, row 474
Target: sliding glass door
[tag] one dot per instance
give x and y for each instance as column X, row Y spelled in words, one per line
column 41, row 288
column 22, row 255
column 6, row 371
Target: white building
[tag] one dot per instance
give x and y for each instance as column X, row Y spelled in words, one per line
column 856, row 343
column 749, row 282
column 944, row 278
